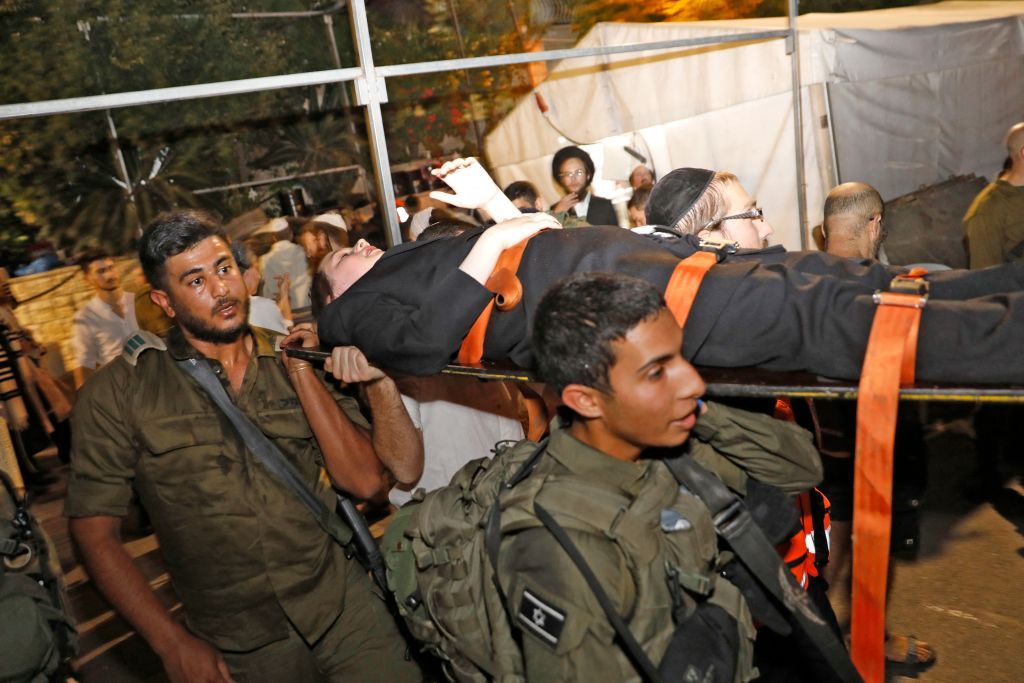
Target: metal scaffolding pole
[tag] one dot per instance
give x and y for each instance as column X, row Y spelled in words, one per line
column 370, row 92
column 793, row 50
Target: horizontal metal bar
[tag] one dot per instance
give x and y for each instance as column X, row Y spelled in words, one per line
column 248, row 85
column 277, row 179
column 182, row 92
column 392, row 70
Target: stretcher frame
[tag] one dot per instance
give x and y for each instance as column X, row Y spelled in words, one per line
column 752, row 383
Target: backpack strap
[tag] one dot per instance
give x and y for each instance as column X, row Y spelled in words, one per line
column 889, row 362
column 733, row 523
column 492, row 542
column 644, row 666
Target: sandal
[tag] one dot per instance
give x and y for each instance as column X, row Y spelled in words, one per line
column 908, row 654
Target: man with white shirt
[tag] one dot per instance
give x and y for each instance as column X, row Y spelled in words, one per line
column 105, row 321
column 286, row 258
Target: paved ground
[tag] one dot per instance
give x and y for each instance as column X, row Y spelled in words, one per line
column 965, row 594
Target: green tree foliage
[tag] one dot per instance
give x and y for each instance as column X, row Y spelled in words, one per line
column 64, row 174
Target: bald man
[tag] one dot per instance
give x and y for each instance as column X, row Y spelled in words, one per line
column 995, row 221
column 853, row 221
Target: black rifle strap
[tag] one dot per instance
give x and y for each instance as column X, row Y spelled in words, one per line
column 733, row 522
column 640, row 660
column 269, row 455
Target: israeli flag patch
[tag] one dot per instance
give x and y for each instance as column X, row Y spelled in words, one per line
column 541, row 619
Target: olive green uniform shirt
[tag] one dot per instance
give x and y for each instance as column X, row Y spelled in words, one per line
column 245, row 557
column 995, row 225
column 574, row 641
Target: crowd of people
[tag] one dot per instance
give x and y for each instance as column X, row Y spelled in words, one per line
column 187, row 402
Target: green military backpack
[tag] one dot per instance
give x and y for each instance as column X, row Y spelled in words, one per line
column 442, row 576
column 37, row 638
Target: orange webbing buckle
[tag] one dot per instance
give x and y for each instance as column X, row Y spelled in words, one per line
column 508, row 292
column 888, row 364
column 681, row 290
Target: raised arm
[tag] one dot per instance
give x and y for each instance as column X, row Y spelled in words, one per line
column 474, row 189
column 396, row 441
column 356, row 461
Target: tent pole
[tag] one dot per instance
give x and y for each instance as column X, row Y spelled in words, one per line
column 793, row 50
column 370, row 92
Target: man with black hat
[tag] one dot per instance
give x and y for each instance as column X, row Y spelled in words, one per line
column 410, row 309
column 573, row 170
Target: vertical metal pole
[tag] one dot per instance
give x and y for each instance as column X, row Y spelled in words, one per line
column 332, row 42
column 464, row 84
column 372, row 89
column 120, row 167
column 832, row 133
column 793, row 50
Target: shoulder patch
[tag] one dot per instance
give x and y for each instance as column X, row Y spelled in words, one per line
column 139, row 342
column 541, row 619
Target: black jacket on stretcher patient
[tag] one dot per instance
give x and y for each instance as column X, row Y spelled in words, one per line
column 773, row 309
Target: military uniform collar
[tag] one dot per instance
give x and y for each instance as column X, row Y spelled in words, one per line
column 180, row 349
column 587, row 461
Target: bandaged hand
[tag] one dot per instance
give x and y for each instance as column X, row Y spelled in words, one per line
column 474, row 189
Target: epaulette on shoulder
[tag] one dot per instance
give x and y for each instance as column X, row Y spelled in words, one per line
column 139, row 342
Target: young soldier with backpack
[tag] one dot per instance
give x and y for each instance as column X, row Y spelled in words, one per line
column 583, row 557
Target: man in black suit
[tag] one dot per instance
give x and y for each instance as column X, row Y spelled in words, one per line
column 573, row 170
column 409, row 309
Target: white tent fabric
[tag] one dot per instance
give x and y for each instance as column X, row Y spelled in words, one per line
column 917, row 94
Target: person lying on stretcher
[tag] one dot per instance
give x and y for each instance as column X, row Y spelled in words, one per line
column 410, row 308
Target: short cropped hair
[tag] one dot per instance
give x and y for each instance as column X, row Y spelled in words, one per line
column 522, row 189
column 171, row 233
column 864, row 204
column 89, row 257
column 573, row 152
column 578, row 319
column 710, row 207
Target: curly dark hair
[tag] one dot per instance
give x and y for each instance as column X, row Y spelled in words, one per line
column 572, row 152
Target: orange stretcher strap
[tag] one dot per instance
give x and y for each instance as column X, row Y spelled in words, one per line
column 680, row 293
column 681, row 290
column 888, row 364
column 508, row 291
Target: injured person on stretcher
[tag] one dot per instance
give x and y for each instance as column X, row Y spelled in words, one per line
column 410, row 308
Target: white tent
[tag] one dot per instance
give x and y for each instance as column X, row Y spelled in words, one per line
column 914, row 95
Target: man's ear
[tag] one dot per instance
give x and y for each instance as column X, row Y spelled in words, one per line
column 584, row 401
column 160, row 298
column 704, row 234
column 875, row 226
